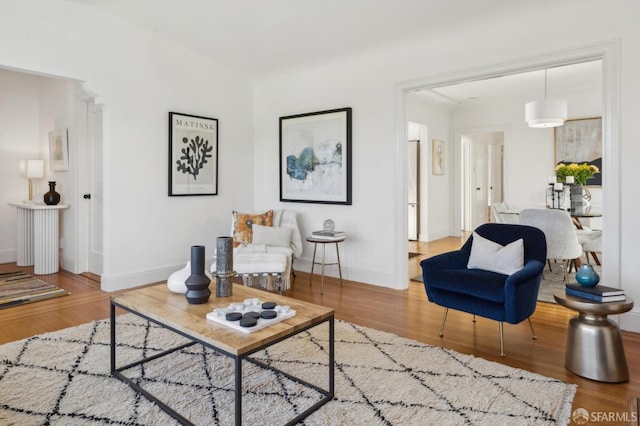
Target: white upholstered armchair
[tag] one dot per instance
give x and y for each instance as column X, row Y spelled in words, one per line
column 265, row 244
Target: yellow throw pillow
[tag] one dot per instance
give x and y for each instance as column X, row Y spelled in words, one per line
column 242, row 223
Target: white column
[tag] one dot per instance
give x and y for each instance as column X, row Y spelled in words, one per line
column 45, row 241
column 38, row 236
column 25, row 237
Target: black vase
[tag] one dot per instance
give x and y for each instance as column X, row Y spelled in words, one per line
column 52, row 198
column 198, row 282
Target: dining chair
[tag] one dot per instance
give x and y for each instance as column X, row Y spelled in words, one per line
column 496, row 208
column 505, row 213
column 591, row 242
column 558, row 228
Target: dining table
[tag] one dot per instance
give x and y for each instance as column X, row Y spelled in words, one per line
column 585, row 212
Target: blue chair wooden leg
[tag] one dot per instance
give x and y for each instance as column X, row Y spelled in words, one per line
column 500, row 325
column 444, row 319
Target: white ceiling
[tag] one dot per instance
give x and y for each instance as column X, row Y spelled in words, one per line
column 261, row 36
column 264, row 36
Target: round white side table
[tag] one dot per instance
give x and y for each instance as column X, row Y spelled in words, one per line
column 323, row 263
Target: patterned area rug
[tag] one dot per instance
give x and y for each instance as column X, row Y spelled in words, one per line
column 62, row 378
column 18, row 288
column 552, row 281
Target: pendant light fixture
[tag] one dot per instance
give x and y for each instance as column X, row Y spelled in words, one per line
column 547, row 112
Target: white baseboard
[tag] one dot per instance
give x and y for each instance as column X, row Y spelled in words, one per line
column 432, row 236
column 630, row 321
column 115, row 282
column 351, row 274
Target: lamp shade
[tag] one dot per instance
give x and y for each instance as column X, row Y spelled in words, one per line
column 35, row 168
column 546, row 113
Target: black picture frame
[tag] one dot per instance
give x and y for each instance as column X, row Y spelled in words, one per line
column 580, row 141
column 315, row 157
column 193, row 155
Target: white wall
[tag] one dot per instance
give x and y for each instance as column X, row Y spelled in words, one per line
column 19, row 140
column 139, row 78
column 369, row 83
column 369, row 221
column 58, row 111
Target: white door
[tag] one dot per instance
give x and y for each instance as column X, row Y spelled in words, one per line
column 495, row 173
column 482, row 176
column 413, row 188
column 479, row 181
column 94, row 195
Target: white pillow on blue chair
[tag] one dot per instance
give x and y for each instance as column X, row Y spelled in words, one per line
column 491, row 256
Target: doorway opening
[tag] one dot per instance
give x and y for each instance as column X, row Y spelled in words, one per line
column 482, row 176
column 50, row 102
column 606, row 58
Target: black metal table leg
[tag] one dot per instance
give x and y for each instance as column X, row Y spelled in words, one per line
column 238, row 389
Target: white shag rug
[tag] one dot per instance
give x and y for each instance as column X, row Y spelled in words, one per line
column 63, row 378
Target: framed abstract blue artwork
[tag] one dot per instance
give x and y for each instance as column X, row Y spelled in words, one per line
column 315, row 157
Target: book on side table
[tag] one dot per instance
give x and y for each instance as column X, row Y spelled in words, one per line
column 328, row 235
column 598, row 293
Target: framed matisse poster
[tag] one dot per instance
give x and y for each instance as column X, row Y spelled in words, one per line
column 193, row 155
column 315, row 157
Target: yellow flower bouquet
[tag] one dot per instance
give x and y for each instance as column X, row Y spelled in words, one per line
column 580, row 172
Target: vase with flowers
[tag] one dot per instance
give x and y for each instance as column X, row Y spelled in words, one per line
column 577, row 175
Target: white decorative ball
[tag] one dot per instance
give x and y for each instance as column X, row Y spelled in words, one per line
column 329, row 225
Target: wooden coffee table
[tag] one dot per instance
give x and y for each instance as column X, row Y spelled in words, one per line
column 172, row 311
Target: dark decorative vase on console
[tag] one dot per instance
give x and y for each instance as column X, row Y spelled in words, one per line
column 52, row 198
column 198, row 282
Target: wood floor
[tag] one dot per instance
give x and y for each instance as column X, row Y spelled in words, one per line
column 406, row 313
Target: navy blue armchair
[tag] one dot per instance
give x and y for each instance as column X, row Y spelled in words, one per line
column 511, row 298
